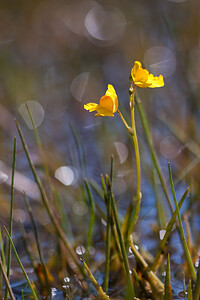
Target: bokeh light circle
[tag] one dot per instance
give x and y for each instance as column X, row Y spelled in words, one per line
column 160, row 60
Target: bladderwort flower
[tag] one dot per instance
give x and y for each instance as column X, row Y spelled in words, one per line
column 143, row 79
column 107, row 106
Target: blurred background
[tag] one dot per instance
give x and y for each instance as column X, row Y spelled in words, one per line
column 59, row 55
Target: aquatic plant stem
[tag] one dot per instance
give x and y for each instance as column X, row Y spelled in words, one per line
column 6, row 280
column 21, row 266
column 133, row 133
column 137, row 155
column 48, row 208
column 11, row 216
column 131, row 293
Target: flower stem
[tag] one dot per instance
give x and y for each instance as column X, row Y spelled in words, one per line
column 132, row 130
column 137, row 157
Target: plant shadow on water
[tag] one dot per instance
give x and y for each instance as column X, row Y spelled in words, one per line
column 54, row 58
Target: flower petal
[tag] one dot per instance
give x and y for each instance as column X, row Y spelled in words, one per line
column 157, row 82
column 136, row 67
column 106, row 102
column 142, row 75
column 90, row 106
column 111, row 92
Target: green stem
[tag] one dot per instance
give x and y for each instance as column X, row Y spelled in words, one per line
column 11, row 216
column 133, row 133
column 21, row 266
column 131, row 293
column 137, row 156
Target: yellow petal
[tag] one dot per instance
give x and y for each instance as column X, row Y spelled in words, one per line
column 106, row 102
column 111, row 92
column 90, row 106
column 136, row 67
column 142, row 75
column 157, row 82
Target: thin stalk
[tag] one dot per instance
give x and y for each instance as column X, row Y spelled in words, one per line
column 131, row 292
column 21, row 265
column 155, row 160
column 189, row 290
column 92, row 216
column 197, row 284
column 11, row 216
column 155, row 282
column 108, row 230
column 6, row 280
column 2, row 251
column 47, row 206
column 37, row 243
column 137, row 155
column 108, row 236
column 184, row 243
column 168, row 288
column 101, row 293
column 167, row 233
column 133, row 133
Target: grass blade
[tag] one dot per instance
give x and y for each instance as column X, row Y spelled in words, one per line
column 189, row 290
column 47, row 206
column 167, row 233
column 11, row 215
column 21, row 266
column 6, row 280
column 37, row 243
column 168, row 289
column 130, row 288
column 184, row 243
column 154, row 281
column 197, row 284
column 102, row 294
column 92, row 217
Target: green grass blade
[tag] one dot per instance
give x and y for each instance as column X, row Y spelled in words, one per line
column 6, row 280
column 152, row 150
column 184, row 243
column 92, row 215
column 197, row 284
column 11, row 215
column 101, row 293
column 130, row 288
column 108, row 237
column 167, row 233
column 154, row 281
column 79, row 147
column 168, row 289
column 108, row 229
column 184, row 286
column 21, row 266
column 189, row 290
column 47, row 206
column 37, row 243
column 2, row 251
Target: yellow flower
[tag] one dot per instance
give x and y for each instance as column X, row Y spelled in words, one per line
column 107, row 106
column 142, row 78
